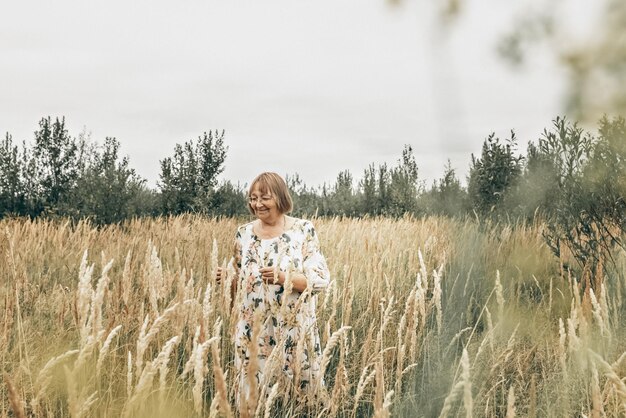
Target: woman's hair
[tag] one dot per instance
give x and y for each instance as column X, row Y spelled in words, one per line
column 272, row 183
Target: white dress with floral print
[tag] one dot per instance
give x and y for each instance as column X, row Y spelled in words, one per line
column 286, row 321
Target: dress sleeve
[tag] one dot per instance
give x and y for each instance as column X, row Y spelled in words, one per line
column 313, row 261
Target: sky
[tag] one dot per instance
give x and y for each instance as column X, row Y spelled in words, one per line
column 313, row 87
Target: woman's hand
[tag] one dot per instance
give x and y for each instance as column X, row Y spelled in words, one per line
column 219, row 275
column 298, row 280
column 267, row 274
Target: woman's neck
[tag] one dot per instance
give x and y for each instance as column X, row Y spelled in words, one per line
column 271, row 223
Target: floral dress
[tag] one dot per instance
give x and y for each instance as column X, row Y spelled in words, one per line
column 277, row 317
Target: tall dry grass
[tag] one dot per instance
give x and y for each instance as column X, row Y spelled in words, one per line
column 428, row 317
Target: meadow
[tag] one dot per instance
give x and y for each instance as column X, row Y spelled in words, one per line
column 424, row 318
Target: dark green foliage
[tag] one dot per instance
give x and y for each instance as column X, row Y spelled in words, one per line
column 55, row 168
column 306, row 201
column 65, row 176
column 107, row 187
column 587, row 213
column 229, row 200
column 403, row 187
column 446, row 197
column 342, row 196
column 369, row 202
column 11, row 188
column 537, row 187
column 562, row 154
column 188, row 179
column 493, row 174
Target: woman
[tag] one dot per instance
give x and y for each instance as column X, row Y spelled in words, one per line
column 279, row 269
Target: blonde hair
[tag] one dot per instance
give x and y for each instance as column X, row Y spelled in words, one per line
column 273, row 184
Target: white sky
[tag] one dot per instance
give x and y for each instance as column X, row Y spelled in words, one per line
column 312, row 87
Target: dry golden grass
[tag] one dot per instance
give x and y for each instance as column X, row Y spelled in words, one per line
column 428, row 317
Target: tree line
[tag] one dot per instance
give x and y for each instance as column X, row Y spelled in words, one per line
column 61, row 175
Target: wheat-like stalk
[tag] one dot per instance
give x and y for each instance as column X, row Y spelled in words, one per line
column 499, row 295
column 144, row 385
column 95, row 314
column 328, row 349
column 490, row 328
column 141, row 344
column 609, row 372
column 84, row 294
column 384, row 412
column 192, row 358
column 214, row 255
column 598, row 314
column 420, row 297
column 105, row 348
column 146, row 337
column 207, row 306
column 199, row 371
column 379, row 391
column 220, row 381
column 562, row 350
column 154, row 278
column 86, row 405
column 86, row 351
column 141, row 390
column 386, row 317
column 330, row 291
column 270, row 400
column 162, row 361
column 77, row 407
column 510, row 403
column 596, row 396
column 573, row 341
column 129, row 375
column 604, row 305
column 44, row 377
column 340, row 385
column 436, row 300
column 14, row 398
column 364, row 380
column 462, row 386
column 423, row 276
column 127, row 281
column 467, row 384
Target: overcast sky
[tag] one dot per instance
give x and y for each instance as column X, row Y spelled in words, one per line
column 312, row 87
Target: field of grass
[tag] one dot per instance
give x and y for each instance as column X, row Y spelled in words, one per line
column 424, row 318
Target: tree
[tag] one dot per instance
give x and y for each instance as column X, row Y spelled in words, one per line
column 108, row 185
column 403, row 186
column 382, row 189
column 229, row 200
column 306, row 201
column 54, row 165
column 446, row 196
column 11, row 198
column 188, row 179
column 369, row 200
column 587, row 214
column 493, row 174
column 537, row 186
column 211, row 154
column 342, row 197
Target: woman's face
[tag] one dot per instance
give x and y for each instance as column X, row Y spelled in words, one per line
column 263, row 204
